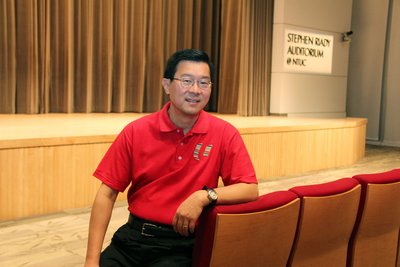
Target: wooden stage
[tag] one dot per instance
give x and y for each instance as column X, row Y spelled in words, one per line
column 47, row 161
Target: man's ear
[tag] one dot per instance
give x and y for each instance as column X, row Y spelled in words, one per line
column 165, row 84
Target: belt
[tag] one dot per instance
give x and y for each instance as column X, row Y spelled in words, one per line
column 152, row 229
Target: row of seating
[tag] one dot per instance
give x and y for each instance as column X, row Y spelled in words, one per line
column 348, row 222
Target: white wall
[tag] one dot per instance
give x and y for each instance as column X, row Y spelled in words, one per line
column 367, row 54
column 298, row 93
column 374, row 77
column 390, row 134
column 365, row 78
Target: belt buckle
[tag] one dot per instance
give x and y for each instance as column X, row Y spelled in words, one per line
column 144, row 229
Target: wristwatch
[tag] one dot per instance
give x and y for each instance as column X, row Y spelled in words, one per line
column 212, row 195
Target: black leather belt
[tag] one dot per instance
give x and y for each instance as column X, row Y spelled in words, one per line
column 151, row 229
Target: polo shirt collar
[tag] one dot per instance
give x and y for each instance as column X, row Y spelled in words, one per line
column 166, row 125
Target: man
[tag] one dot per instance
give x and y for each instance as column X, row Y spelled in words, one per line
column 172, row 160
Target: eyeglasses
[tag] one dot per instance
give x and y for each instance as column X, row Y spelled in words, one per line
column 189, row 82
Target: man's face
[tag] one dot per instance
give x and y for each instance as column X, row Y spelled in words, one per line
column 188, row 101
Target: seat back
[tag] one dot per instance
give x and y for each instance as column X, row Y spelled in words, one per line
column 398, row 252
column 258, row 233
column 375, row 239
column 327, row 217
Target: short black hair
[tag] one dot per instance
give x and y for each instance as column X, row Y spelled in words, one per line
column 186, row 55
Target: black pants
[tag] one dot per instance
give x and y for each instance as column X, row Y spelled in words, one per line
column 130, row 248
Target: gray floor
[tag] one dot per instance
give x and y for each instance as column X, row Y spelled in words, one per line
column 60, row 239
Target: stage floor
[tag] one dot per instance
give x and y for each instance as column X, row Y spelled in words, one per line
column 20, row 130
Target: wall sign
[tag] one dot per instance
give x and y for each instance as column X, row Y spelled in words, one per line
column 307, row 52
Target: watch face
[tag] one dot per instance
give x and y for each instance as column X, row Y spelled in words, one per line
column 212, row 194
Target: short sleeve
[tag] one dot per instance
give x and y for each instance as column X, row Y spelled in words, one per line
column 115, row 169
column 236, row 162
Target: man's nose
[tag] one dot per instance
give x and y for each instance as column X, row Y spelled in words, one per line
column 195, row 87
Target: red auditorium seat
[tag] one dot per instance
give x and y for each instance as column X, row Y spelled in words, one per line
column 258, row 233
column 327, row 217
column 375, row 238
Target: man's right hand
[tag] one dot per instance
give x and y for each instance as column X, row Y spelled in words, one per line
column 91, row 264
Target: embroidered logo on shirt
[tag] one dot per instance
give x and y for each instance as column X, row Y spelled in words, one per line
column 197, row 151
column 207, row 150
column 206, row 153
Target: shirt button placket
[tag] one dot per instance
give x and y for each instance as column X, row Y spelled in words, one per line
column 179, row 148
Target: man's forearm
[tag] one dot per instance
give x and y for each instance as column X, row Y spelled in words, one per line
column 237, row 193
column 99, row 220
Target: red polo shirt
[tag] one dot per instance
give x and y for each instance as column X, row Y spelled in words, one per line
column 164, row 166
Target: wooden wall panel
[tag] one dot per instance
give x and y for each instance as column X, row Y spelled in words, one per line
column 43, row 180
column 276, row 154
column 49, row 169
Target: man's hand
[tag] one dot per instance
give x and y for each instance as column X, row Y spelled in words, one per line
column 188, row 212
column 91, row 264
